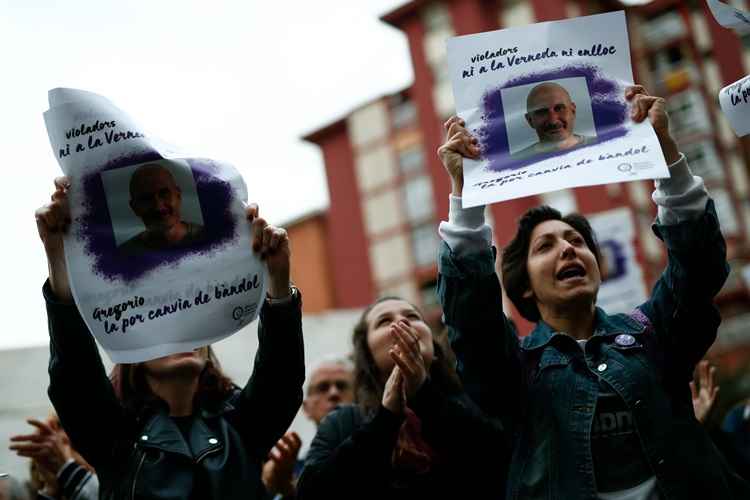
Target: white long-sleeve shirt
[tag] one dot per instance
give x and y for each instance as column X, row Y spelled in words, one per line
column 682, row 196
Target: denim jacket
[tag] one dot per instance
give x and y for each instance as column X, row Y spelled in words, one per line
column 544, row 387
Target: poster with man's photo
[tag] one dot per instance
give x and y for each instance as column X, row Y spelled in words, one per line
column 158, row 252
column 547, row 104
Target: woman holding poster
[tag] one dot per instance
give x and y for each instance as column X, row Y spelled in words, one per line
column 598, row 405
column 174, row 427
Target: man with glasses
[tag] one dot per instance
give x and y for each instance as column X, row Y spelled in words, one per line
column 331, row 384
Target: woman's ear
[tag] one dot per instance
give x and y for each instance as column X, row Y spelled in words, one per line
column 528, row 294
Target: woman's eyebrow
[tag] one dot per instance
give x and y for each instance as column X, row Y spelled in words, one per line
column 381, row 316
column 543, row 236
column 410, row 310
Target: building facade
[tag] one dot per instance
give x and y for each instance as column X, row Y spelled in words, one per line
column 388, row 190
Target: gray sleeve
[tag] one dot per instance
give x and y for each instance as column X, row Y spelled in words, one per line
column 465, row 231
column 680, row 197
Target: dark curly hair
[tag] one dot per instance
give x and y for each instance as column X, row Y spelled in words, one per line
column 132, row 389
column 368, row 389
column 516, row 274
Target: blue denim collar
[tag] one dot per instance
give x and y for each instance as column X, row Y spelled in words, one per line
column 604, row 325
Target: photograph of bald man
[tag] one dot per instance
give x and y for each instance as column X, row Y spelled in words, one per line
column 156, row 198
column 551, row 112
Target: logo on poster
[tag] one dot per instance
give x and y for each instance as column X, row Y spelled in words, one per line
column 240, row 312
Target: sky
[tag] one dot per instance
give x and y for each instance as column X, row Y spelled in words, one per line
column 234, row 80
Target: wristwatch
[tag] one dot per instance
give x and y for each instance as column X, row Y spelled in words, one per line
column 294, row 295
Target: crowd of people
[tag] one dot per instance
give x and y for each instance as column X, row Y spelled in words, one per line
column 590, row 405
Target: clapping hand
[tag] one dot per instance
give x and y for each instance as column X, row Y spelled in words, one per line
column 705, row 396
column 278, row 471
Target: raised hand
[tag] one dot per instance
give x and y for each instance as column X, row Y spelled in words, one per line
column 52, row 222
column 278, row 471
column 272, row 245
column 48, row 446
column 407, row 355
column 654, row 108
column 705, row 396
column 459, row 144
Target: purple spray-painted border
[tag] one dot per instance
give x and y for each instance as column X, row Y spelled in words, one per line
column 95, row 228
column 607, row 105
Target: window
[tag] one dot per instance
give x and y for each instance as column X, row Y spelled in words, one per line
column 404, row 114
column 436, row 17
column 368, row 124
column 424, row 242
column 516, row 13
column 375, row 167
column 382, row 212
column 703, row 160
column 663, row 29
column 411, row 160
column 389, row 258
column 442, row 96
column 688, row 113
column 418, row 199
column 725, row 211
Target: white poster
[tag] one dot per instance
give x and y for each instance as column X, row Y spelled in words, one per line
column 547, row 104
column 158, row 252
column 623, row 288
column 729, row 17
column 735, row 104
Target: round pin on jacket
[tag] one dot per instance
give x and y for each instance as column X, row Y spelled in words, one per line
column 625, row 340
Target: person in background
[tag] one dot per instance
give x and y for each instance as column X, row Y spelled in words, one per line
column 331, row 384
column 13, row 489
column 57, row 470
column 705, row 394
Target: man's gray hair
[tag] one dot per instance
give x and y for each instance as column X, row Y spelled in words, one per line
column 343, row 360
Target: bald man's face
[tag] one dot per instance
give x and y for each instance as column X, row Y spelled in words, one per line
column 551, row 113
column 156, row 199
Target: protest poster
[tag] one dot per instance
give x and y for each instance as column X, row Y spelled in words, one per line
column 546, row 102
column 623, row 287
column 730, row 17
column 734, row 100
column 158, row 252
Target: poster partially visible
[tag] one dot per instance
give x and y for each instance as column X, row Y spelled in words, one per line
column 730, row 17
column 734, row 100
column 623, row 287
column 158, row 252
column 547, row 104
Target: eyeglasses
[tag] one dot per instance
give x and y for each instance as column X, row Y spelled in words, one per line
column 324, row 386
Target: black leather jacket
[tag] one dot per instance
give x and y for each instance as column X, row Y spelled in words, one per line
column 146, row 456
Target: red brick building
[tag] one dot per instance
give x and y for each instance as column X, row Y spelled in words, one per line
column 388, row 190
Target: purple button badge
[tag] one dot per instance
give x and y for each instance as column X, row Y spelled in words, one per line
column 625, row 340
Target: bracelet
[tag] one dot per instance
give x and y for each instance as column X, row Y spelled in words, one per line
column 293, row 295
